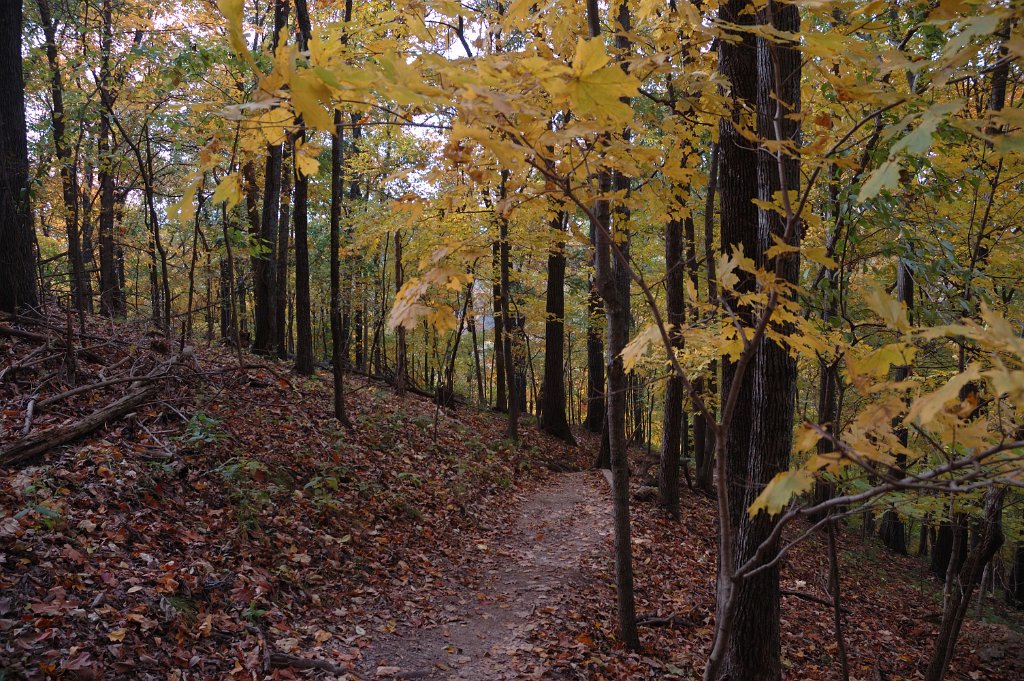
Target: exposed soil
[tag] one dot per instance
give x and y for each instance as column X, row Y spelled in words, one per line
column 484, row 626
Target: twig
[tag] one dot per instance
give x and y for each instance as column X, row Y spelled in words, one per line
column 812, row 598
column 59, row 342
column 30, row 414
column 672, row 620
column 43, row 404
column 279, row 660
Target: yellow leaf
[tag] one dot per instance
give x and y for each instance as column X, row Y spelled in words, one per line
column 597, row 86
column 229, row 191
column 306, row 162
column 637, row 347
column 926, row 407
column 806, row 438
column 892, row 312
column 232, row 11
column 308, row 91
column 819, row 255
column 117, row 634
column 274, row 125
column 780, row 247
column 183, row 211
column 727, row 265
column 777, row 493
column 878, row 362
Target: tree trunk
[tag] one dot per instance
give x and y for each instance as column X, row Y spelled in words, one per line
column 337, row 196
column 760, row 432
column 112, row 301
column 704, row 437
column 265, row 260
column 612, row 278
column 595, row 341
column 501, row 397
column 17, row 259
column 283, row 227
column 303, row 324
column 959, row 588
column 671, row 429
column 553, row 420
column 1015, row 582
column 88, row 252
column 154, row 219
column 62, row 155
column 512, row 431
column 477, row 362
column 892, row 530
column 401, row 356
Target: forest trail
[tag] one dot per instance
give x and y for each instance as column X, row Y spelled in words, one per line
column 483, row 632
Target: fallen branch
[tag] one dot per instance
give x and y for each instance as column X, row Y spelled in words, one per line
column 30, row 414
column 279, row 660
column 672, row 620
column 57, row 342
column 49, row 401
column 139, row 393
column 812, row 598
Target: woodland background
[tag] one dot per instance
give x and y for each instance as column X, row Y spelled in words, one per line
column 760, row 260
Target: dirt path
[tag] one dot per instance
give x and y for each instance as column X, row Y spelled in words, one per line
column 484, row 632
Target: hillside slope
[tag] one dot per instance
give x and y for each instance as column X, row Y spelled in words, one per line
column 226, row 528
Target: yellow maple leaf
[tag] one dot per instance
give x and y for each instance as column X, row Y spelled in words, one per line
column 597, row 87
column 308, row 91
column 229, row 191
column 777, row 493
column 232, row 11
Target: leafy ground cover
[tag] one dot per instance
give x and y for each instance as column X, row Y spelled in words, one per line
column 892, row 610
column 228, row 529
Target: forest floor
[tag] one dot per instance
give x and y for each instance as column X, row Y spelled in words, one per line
column 485, row 625
column 227, row 528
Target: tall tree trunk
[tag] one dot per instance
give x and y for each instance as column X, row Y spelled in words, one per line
column 612, row 277
column 595, row 338
column 112, row 301
column 704, row 437
column 477, row 363
column 512, row 431
column 154, row 220
column 264, row 261
column 63, row 157
column 303, row 323
column 737, row 179
column 501, row 397
column 283, row 227
column 88, row 252
column 337, row 196
column 553, row 419
column 1015, row 582
column 892, row 530
column 671, row 431
column 960, row 583
column 766, row 77
column 401, row 356
column 227, row 318
column 17, row 259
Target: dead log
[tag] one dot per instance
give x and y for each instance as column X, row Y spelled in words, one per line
column 279, row 660
column 60, row 397
column 812, row 598
column 56, row 342
column 672, row 620
column 24, row 450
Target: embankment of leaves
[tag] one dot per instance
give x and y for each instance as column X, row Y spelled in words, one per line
column 228, row 526
column 893, row 609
